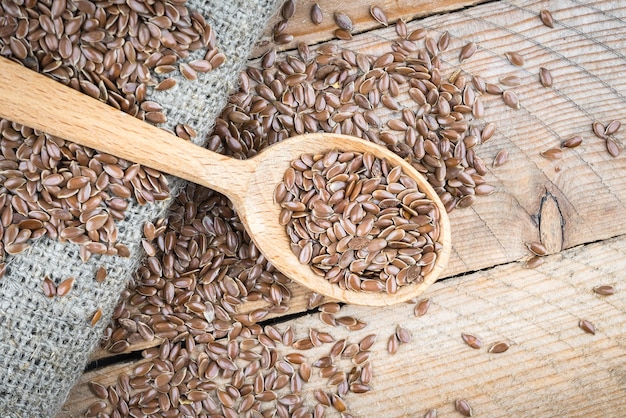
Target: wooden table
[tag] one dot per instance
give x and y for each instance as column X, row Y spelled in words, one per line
column 576, row 206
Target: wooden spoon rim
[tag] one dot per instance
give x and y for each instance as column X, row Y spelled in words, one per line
column 273, row 241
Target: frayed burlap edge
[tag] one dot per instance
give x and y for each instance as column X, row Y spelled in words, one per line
column 45, row 343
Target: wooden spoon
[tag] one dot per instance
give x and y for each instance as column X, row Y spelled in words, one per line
column 39, row 102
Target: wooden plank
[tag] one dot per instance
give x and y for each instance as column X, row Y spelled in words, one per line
column 536, row 199
column 303, row 30
column 553, row 368
column 556, row 369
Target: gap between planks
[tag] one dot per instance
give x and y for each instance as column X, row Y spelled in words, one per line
column 553, row 368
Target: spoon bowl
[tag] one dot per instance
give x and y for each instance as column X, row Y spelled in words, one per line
column 34, row 100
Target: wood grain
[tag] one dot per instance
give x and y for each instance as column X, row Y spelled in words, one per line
column 553, row 368
column 303, row 30
column 574, row 205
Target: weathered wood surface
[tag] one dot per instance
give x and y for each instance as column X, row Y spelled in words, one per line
column 556, row 370
column 303, row 30
column 552, row 367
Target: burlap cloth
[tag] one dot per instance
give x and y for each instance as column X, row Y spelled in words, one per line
column 45, row 343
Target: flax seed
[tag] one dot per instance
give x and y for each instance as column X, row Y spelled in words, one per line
column 604, row 290
column 463, row 407
column 515, row 58
column 587, row 326
column 545, row 77
column 378, row 15
column 472, row 341
column 316, row 14
column 467, row 51
column 546, row 18
column 499, row 347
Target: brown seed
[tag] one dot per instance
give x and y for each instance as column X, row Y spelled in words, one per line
column 587, row 326
column 612, row 147
column 511, row 80
column 97, row 315
column 65, row 286
column 545, row 77
column 612, row 127
column 537, row 248
column 404, row 336
column 487, row 132
column 552, row 153
column 166, row 84
column 546, row 18
column 378, row 15
column 95, row 409
column 343, row 34
column 316, row 14
column 467, row 51
column 501, row 157
column 472, row 341
column 515, row 58
column 572, row 142
column 499, row 347
column 534, row 261
column 49, row 288
column 605, row 290
column 422, row 307
column 343, row 21
column 510, row 99
column 463, row 407
column 598, row 130
column 97, row 389
column 392, row 344
column 288, row 9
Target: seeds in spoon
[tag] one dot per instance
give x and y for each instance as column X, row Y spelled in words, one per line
column 364, row 226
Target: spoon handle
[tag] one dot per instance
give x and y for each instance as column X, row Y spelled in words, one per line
column 39, row 102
